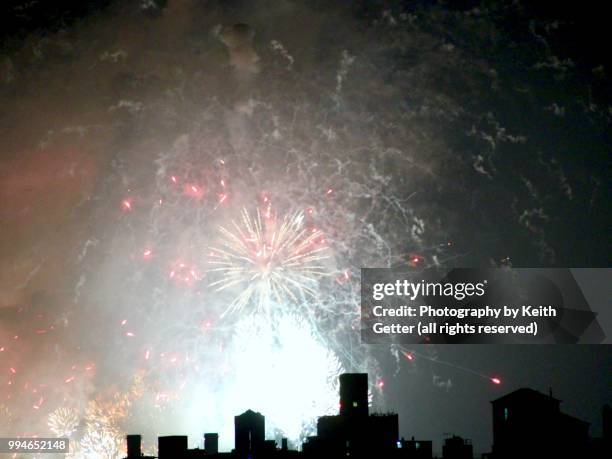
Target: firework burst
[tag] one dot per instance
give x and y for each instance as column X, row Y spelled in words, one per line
column 272, row 260
column 102, row 437
column 100, row 444
column 63, row 422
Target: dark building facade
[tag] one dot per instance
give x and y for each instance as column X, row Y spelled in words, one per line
column 250, row 431
column 416, row 449
column 211, row 443
column 354, row 395
column 456, row 447
column 172, row 446
column 530, row 424
column 354, row 432
column 134, row 447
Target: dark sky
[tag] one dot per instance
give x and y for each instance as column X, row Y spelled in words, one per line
column 578, row 375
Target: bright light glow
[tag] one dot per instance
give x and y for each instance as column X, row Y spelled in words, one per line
column 283, row 370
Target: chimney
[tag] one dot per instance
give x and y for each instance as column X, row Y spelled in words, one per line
column 284, row 446
column 133, row 446
column 211, row 443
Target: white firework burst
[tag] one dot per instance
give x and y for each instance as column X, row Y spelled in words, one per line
column 63, row 422
column 102, row 438
column 269, row 259
column 100, row 444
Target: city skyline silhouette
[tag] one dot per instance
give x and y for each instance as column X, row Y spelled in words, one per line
column 526, row 424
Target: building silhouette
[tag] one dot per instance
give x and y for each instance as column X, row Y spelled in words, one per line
column 172, row 446
column 456, row 447
column 530, row 424
column 526, row 424
column 211, row 443
column 134, row 447
column 416, row 449
column 354, row 432
column 602, row 447
column 250, row 430
column 354, row 395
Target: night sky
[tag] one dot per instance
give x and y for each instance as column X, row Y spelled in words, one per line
column 458, row 134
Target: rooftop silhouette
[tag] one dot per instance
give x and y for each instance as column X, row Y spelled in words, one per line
column 526, row 424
